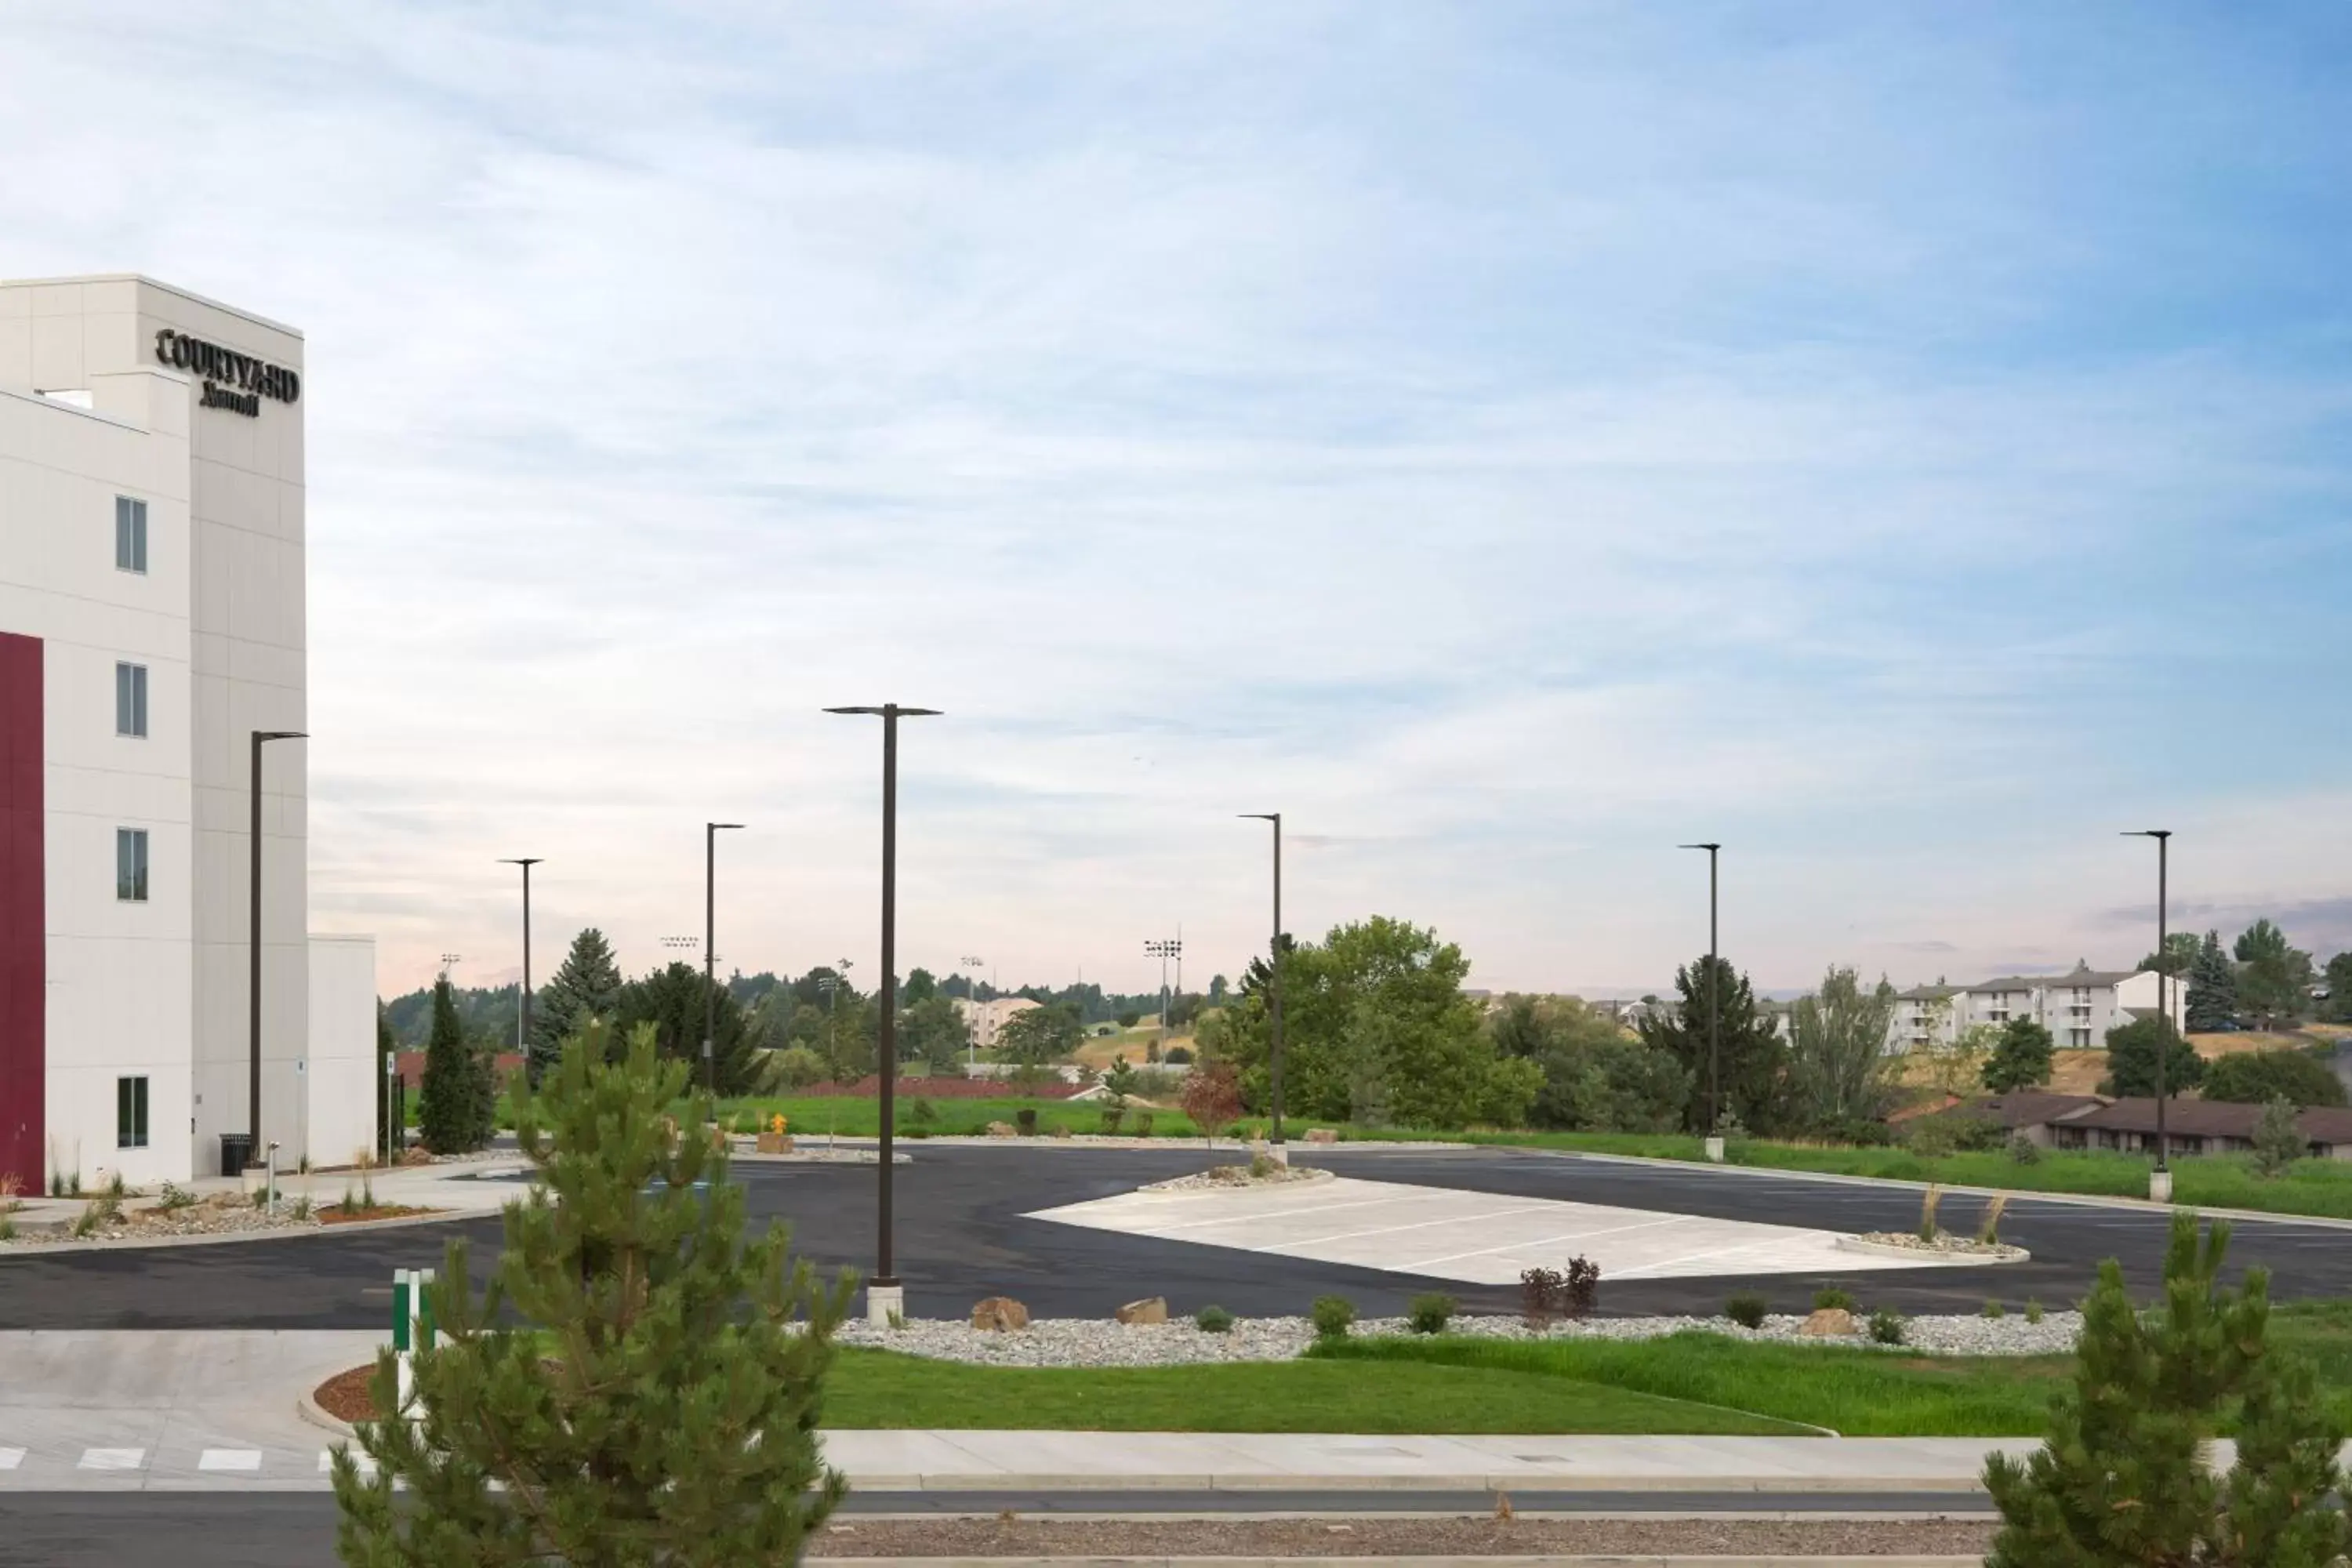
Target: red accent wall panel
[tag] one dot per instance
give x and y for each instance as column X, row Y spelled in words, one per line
column 24, row 960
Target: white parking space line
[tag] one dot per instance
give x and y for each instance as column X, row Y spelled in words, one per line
column 246, row 1461
column 1419, row 1264
column 111, row 1458
column 11, row 1457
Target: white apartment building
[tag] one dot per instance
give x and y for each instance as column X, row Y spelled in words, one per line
column 2078, row 1007
column 151, row 618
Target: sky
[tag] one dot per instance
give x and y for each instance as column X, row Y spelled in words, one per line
column 1908, row 444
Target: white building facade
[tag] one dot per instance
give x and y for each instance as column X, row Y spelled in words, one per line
column 151, row 618
column 2078, row 1007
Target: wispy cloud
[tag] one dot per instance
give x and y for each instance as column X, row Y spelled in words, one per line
column 1509, row 440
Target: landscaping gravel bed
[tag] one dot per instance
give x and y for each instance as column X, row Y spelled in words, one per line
column 206, row 1218
column 1089, row 1342
column 1619, row 1540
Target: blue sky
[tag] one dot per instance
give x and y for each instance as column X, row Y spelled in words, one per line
column 1905, row 443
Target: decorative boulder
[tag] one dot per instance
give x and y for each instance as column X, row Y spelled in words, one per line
column 1322, row 1135
column 1000, row 1315
column 1828, row 1323
column 1151, row 1310
column 1000, row 1129
column 775, row 1143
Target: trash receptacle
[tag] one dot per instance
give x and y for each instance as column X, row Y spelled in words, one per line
column 236, row 1152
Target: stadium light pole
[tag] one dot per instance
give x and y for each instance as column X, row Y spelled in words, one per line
column 522, row 1017
column 884, row 1294
column 253, row 1107
column 1714, row 1003
column 1273, row 983
column 2163, row 836
column 711, row 832
column 972, row 1000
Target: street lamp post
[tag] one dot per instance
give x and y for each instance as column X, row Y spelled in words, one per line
column 253, row 1107
column 1274, row 986
column 523, row 1015
column 972, row 996
column 2159, row 1181
column 1714, row 1011
column 884, row 1296
column 710, row 831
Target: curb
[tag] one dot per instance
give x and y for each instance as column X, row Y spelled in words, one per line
column 1612, row 1560
column 40, row 1248
column 310, row 1410
column 1663, row 1486
column 1927, row 1257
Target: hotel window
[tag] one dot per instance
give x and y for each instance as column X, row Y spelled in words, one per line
column 130, row 864
column 130, row 1113
column 131, row 700
column 129, row 534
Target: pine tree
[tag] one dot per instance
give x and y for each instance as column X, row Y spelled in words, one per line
column 1754, row 1055
column 447, row 1106
column 2120, row 1482
column 2213, row 1000
column 585, row 987
column 2023, row 1059
column 642, row 1382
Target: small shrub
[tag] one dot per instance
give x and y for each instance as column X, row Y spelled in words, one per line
column 2032, row 1311
column 1540, row 1293
column 2278, row 1139
column 114, row 1187
column 1143, row 1124
column 1988, row 1226
column 57, row 1183
column 1111, row 1116
column 350, row 1204
column 1178, row 1055
column 1261, row 1167
column 103, row 1209
column 1928, row 1201
column 922, row 1113
column 1993, row 1308
column 11, row 1184
column 1429, row 1313
column 8, row 1227
column 367, row 1191
column 2024, row 1150
column 1025, row 1119
column 174, row 1197
column 73, row 1184
column 1886, row 1326
column 302, row 1209
column 1747, row 1309
column 1213, row 1320
column 1829, row 1298
column 1333, row 1316
column 1584, row 1288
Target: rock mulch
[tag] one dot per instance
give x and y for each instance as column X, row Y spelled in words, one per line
column 1225, row 1177
column 1946, row 1245
column 1476, row 1535
column 1087, row 1342
column 223, row 1214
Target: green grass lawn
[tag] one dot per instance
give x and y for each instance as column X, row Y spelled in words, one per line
column 1858, row 1393
column 883, row 1389
column 2215, row 1181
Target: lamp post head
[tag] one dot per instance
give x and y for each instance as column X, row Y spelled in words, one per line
column 891, row 710
column 525, row 860
column 1711, row 849
column 1260, row 816
column 281, row 735
column 717, row 827
column 2146, row 833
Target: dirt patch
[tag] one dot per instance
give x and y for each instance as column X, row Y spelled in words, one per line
column 337, row 1213
column 1470, row 1535
column 345, row 1396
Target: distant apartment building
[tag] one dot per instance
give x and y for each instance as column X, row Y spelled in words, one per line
column 2078, row 1007
column 987, row 1017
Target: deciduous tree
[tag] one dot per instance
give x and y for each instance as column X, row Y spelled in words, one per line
column 2274, row 979
column 2257, row 1077
column 1840, row 1070
column 2131, row 1058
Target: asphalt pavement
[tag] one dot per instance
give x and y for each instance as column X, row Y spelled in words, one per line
column 963, row 1232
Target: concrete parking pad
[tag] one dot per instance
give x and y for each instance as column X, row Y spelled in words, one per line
column 1479, row 1239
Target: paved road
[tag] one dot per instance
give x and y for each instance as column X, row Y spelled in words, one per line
column 212, row 1529
column 963, row 1235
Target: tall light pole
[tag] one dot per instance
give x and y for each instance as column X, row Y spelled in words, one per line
column 884, row 1294
column 1163, row 951
column 2163, row 836
column 522, row 1017
column 1714, row 1001
column 253, row 1108
column 711, row 832
column 1274, row 979
column 972, row 995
